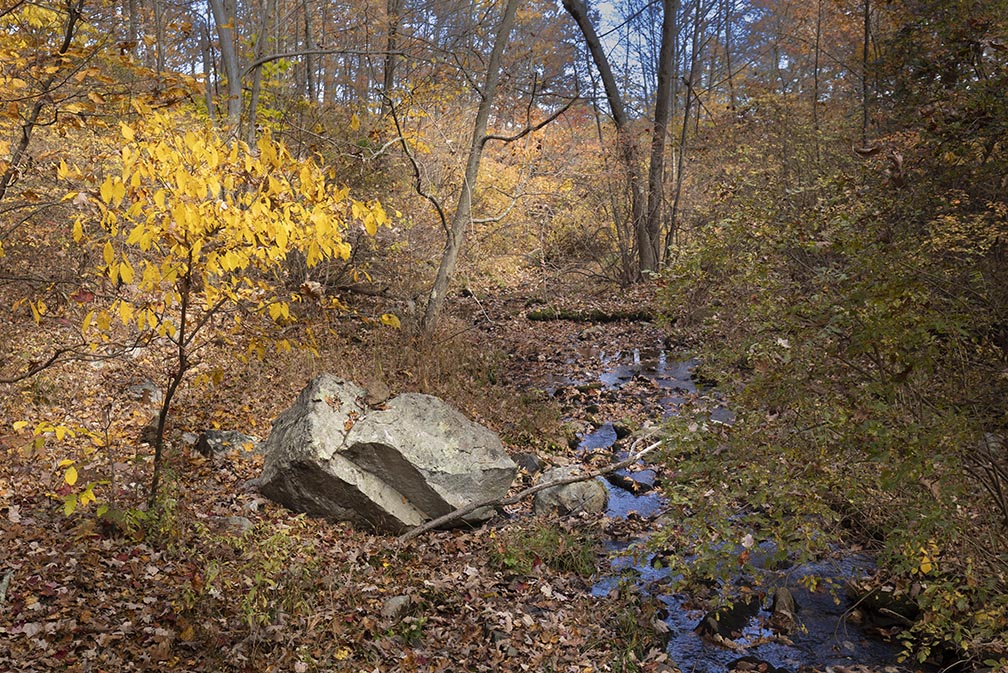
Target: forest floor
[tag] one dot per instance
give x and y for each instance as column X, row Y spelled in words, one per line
column 225, row 580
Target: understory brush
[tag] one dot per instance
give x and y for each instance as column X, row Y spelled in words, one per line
column 858, row 331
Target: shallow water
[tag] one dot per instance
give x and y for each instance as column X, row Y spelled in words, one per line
column 824, row 637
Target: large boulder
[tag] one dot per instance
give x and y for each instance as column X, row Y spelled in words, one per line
column 390, row 468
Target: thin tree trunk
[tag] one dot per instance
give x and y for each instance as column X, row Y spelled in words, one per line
column 256, row 86
column 681, row 158
column 159, row 36
column 627, row 147
column 207, row 69
column 729, row 6
column 132, row 25
column 311, row 81
column 229, row 61
column 463, row 211
column 815, row 79
column 392, row 17
column 663, row 106
column 864, row 74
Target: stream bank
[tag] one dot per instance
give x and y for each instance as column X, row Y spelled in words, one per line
column 607, row 385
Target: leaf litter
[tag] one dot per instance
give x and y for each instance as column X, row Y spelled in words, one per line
column 184, row 591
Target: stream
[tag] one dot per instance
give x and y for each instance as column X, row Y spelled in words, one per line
column 823, row 638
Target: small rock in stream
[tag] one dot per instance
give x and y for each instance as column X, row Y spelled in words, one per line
column 588, row 496
column 783, row 612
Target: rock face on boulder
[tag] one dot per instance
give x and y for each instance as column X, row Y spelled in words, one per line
column 390, row 468
column 588, row 496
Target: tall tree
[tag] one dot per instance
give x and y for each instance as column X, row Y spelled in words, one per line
column 659, row 134
column 224, row 20
column 463, row 208
column 625, row 142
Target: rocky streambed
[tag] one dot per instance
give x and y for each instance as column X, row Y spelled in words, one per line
column 797, row 618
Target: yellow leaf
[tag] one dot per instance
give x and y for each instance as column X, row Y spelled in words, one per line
column 127, row 132
column 391, row 319
column 126, row 271
column 354, row 122
column 135, row 235
column 307, row 183
column 70, row 504
column 71, row 475
column 87, row 496
column 61, row 433
column 66, row 462
column 106, row 190
column 125, row 312
column 63, row 170
column 20, row 425
column 108, row 253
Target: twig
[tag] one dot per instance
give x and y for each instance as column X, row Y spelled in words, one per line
column 4, row 583
column 518, row 497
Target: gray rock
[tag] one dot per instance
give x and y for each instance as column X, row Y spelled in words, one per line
column 589, row 496
column 783, row 612
column 236, row 525
column 391, row 469
column 216, row 442
column 529, row 462
column 147, row 393
column 395, row 607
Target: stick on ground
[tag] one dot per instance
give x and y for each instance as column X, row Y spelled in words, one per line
column 521, row 495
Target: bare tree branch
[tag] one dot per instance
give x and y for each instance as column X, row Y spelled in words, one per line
column 535, row 127
column 417, row 176
column 259, row 62
column 8, row 10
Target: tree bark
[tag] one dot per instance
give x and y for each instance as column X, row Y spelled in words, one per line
column 392, row 17
column 132, row 25
column 311, row 79
column 670, row 234
column 229, row 61
column 256, row 87
column 463, row 211
column 663, row 106
column 729, row 6
column 815, row 79
column 208, row 92
column 864, row 74
column 627, row 147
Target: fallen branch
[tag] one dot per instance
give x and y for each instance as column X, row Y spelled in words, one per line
column 521, row 495
column 593, row 315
